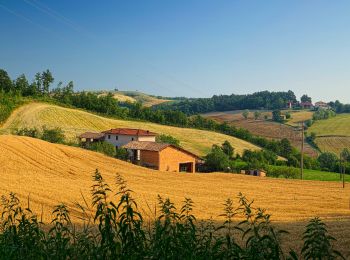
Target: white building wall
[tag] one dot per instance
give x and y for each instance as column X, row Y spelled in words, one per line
column 120, row 140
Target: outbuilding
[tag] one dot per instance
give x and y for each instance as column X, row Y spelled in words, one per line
column 162, row 156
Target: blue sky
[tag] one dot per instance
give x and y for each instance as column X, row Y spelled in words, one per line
column 182, row 48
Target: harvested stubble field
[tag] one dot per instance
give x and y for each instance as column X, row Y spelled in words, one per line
column 333, row 135
column 267, row 129
column 75, row 122
column 52, row 173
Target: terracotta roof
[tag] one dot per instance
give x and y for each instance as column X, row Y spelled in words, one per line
column 148, row 146
column 153, row 146
column 129, row 131
column 91, row 135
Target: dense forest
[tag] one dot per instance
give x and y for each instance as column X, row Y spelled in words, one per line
column 258, row 100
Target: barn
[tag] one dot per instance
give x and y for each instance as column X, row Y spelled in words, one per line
column 162, row 156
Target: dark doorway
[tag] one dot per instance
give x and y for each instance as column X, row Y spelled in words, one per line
column 186, row 167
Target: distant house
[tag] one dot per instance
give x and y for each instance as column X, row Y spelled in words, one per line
column 256, row 172
column 289, row 105
column 162, row 156
column 306, row 105
column 121, row 136
column 322, row 105
column 91, row 137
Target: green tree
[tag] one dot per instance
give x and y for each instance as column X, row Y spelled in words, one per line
column 21, row 84
column 328, row 161
column 168, row 139
column 217, row 160
column 228, row 149
column 5, row 81
column 305, row 98
column 245, row 113
column 257, row 115
column 47, row 79
column 276, row 116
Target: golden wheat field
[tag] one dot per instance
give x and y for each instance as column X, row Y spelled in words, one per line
column 75, row 122
column 51, row 173
column 334, row 144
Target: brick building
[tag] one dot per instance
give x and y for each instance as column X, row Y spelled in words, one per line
column 161, row 156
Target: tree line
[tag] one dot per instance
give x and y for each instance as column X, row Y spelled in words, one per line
column 259, row 100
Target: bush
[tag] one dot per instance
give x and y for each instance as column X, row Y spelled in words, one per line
column 283, row 172
column 168, row 139
column 328, row 161
column 103, row 147
column 217, row 160
column 31, row 132
column 54, row 135
column 122, row 154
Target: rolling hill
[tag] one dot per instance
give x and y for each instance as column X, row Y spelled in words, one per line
column 333, row 134
column 137, row 96
column 75, row 122
column 50, row 174
column 267, row 129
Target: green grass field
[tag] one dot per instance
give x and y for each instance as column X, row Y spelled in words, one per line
column 333, row 135
column 323, row 176
column 338, row 125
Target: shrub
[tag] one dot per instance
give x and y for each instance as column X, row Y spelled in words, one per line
column 122, row 154
column 31, row 132
column 317, row 242
column 103, row 147
column 54, row 135
column 283, row 171
column 168, row 139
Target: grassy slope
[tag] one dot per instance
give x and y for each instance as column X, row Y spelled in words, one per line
column 323, row 176
column 333, row 134
column 136, row 96
column 74, row 122
column 52, row 173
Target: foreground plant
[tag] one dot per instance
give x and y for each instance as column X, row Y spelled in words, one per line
column 113, row 228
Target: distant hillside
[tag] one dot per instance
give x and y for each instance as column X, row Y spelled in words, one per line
column 136, row 96
column 258, row 100
column 74, row 122
column 268, row 129
column 333, row 134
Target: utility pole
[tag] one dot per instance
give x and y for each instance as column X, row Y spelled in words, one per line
column 302, row 151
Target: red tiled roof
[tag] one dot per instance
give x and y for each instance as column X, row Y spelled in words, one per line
column 91, row 135
column 129, row 131
column 155, row 147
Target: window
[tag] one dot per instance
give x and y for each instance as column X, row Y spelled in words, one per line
column 132, row 139
column 116, row 138
column 109, row 136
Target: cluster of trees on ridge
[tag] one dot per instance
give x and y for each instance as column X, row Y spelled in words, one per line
column 113, row 227
column 258, row 100
column 12, row 90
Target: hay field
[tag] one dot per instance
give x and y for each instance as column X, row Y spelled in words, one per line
column 299, row 116
column 333, row 134
column 52, row 173
column 75, row 122
column 338, row 125
column 334, row 144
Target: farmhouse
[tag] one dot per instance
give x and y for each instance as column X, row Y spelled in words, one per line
column 321, row 105
column 306, row 105
column 144, row 150
column 121, row 136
